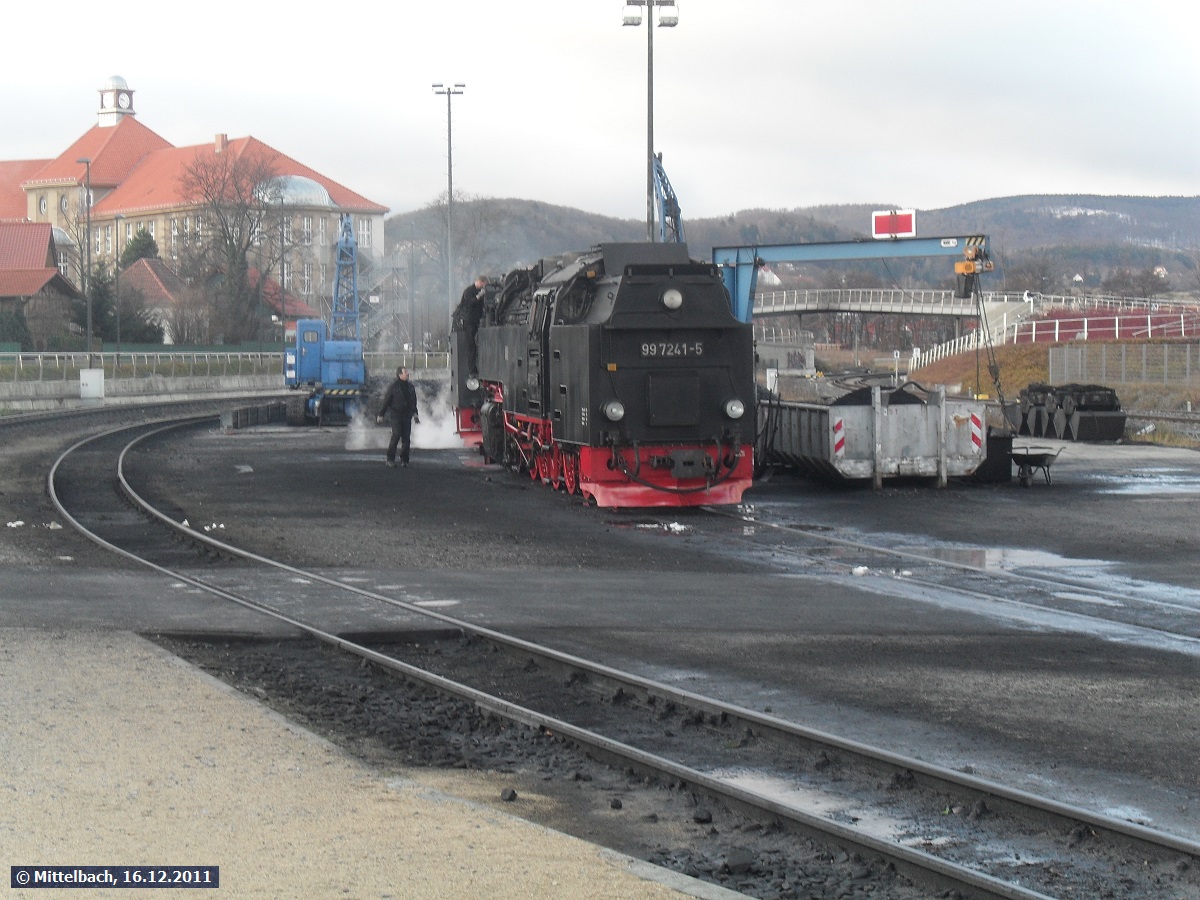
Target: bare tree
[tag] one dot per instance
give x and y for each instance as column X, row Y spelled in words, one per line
column 1034, row 272
column 187, row 321
column 238, row 193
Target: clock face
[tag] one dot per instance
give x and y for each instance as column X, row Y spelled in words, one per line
column 123, row 100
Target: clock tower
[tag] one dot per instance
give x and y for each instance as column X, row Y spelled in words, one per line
column 116, row 101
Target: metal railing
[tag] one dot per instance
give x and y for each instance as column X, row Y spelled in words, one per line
column 386, row 362
column 50, row 366
column 863, row 300
column 1113, row 327
column 1125, row 318
column 1165, row 364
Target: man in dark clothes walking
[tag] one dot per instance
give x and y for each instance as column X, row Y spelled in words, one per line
column 401, row 401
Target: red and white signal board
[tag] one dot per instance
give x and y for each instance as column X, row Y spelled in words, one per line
column 893, row 223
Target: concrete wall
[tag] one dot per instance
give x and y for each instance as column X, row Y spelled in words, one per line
column 33, row 396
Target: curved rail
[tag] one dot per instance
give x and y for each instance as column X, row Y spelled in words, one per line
column 922, row 866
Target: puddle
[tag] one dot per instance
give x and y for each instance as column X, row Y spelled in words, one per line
column 1151, row 481
column 1087, row 598
column 1087, row 574
column 1004, row 559
column 663, row 527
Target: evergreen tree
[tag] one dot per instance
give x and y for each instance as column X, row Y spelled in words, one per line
column 100, row 286
column 13, row 330
column 140, row 246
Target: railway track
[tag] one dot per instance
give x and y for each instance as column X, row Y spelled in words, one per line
column 913, row 828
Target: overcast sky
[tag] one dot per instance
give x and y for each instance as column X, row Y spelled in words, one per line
column 758, row 103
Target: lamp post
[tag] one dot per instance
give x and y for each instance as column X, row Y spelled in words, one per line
column 282, row 269
column 117, row 283
column 668, row 17
column 412, row 284
column 449, row 91
column 87, row 249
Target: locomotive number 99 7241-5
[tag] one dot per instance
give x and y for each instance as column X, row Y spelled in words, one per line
column 667, row 349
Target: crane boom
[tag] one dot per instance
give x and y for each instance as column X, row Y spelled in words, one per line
column 670, row 225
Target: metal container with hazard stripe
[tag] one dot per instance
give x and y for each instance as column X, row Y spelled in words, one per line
column 876, row 433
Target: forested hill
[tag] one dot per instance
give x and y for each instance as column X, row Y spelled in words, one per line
column 1054, row 220
column 1091, row 231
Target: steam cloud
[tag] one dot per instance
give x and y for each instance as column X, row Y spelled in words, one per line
column 435, row 431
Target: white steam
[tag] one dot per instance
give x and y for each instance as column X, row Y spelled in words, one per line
column 435, row 431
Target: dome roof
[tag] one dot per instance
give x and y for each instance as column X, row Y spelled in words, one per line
column 115, row 83
column 297, row 190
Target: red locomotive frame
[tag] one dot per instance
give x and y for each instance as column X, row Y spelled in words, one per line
column 630, row 476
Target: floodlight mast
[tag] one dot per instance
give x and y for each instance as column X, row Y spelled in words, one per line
column 449, row 92
column 668, row 17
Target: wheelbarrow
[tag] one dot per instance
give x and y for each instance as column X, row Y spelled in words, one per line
column 1030, row 459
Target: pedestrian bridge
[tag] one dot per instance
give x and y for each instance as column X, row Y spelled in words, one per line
column 895, row 301
column 1007, row 315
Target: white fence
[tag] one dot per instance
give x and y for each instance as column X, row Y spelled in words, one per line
column 40, row 367
column 35, row 367
column 1120, row 318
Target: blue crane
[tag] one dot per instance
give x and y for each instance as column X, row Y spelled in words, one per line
column 670, row 225
column 740, row 265
column 326, row 366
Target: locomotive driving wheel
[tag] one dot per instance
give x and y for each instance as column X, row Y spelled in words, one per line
column 570, row 471
column 554, row 467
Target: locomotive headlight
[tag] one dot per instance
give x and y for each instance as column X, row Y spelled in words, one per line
column 472, row 384
column 672, row 299
column 614, row 410
column 735, row 408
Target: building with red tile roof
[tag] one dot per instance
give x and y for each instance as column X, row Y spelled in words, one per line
column 138, row 180
column 30, row 282
column 172, row 302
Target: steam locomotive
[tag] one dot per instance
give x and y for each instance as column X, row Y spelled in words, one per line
column 619, row 373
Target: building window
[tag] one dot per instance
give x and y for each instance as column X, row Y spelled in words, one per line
column 364, row 233
column 174, row 236
column 306, row 230
column 150, row 228
column 287, row 231
column 199, row 227
column 287, row 274
column 306, row 279
column 62, row 264
column 324, row 268
column 324, row 222
column 42, row 204
column 63, row 203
